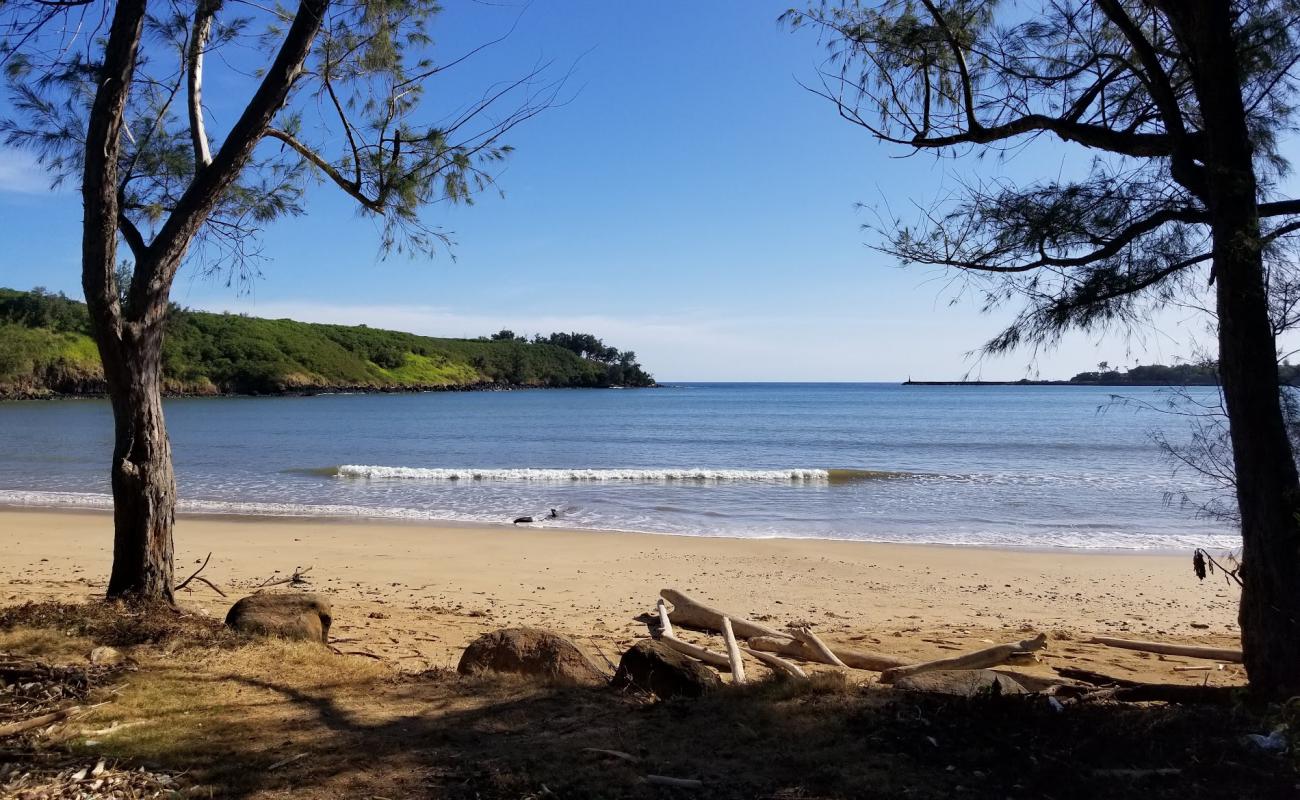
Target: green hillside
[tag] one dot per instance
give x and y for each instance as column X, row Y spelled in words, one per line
column 45, row 349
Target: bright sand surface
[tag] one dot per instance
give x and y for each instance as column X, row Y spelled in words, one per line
column 416, row 594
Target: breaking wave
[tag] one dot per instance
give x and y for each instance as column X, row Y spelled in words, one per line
column 525, row 475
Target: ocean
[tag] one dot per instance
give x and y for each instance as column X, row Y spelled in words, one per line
column 1007, row 466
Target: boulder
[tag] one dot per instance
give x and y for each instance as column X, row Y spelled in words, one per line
column 289, row 615
column 529, row 651
column 658, row 669
column 962, row 683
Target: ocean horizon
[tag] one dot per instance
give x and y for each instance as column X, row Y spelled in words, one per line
column 1002, row 466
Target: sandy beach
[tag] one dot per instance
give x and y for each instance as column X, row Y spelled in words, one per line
column 416, row 594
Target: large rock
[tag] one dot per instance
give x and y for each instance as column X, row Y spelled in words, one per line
column 658, row 669
column 529, row 651
column 284, row 614
column 962, row 683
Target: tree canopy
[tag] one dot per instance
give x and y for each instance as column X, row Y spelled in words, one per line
column 1126, row 228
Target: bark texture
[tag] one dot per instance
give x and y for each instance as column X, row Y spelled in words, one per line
column 1268, row 489
column 129, row 333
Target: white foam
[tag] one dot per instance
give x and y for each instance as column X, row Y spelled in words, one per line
column 590, row 475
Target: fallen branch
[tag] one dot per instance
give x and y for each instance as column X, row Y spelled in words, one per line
column 1094, row 678
column 285, row 761
column 804, row 634
column 619, row 754
column 979, row 659
column 776, row 663
column 797, row 649
column 691, row 613
column 298, row 577
column 1188, row 650
column 195, row 575
column 680, row 783
column 21, row 726
column 696, row 652
column 733, row 652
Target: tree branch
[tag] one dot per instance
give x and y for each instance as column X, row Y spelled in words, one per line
column 203, row 18
column 151, row 284
column 99, row 176
column 351, row 187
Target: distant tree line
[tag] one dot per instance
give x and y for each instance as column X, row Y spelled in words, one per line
column 45, row 348
column 621, row 367
column 1198, row 373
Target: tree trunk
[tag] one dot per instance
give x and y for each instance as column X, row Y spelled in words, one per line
column 1268, row 490
column 144, row 485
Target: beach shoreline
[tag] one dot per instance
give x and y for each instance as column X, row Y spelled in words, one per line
column 417, row 593
column 471, row 524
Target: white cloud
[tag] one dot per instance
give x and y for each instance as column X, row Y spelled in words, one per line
column 20, row 174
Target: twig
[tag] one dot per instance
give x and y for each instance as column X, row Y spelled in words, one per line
column 680, row 783
column 296, row 578
column 619, row 754
column 195, row 575
column 286, row 761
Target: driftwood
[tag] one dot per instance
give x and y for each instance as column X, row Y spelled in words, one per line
column 776, row 663
column 669, row 638
column 695, row 651
column 679, row 783
column 14, row 728
column 689, row 612
column 619, row 754
column 979, row 659
column 196, row 576
column 797, row 649
column 733, row 652
column 665, row 624
column 298, row 578
column 1191, row 651
column 804, row 634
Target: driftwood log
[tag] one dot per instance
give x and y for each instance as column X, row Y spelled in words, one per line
column 733, row 652
column 797, row 649
column 1161, row 648
column 777, row 663
column 979, row 659
column 804, row 634
column 691, row 613
column 669, row 638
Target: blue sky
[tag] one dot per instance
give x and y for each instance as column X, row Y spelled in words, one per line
column 691, row 202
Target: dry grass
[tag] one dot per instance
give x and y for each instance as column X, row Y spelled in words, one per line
column 345, row 727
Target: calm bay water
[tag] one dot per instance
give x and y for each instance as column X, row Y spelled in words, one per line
column 1021, row 466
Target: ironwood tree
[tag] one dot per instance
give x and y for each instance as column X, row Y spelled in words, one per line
column 1173, row 109
column 111, row 95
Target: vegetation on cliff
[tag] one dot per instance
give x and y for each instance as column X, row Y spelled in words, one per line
column 46, row 349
